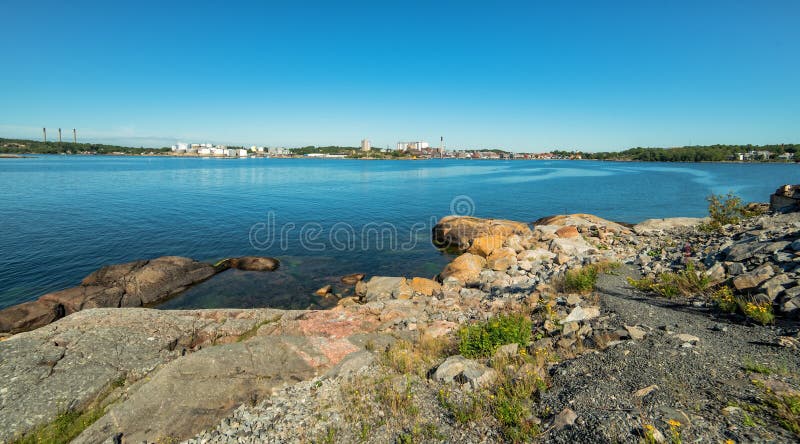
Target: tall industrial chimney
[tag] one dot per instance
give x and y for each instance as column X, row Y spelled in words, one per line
column 74, row 136
column 44, row 134
column 59, row 135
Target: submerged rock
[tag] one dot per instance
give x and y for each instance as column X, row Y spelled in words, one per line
column 255, row 263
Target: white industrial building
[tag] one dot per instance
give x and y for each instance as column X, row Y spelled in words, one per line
column 417, row 145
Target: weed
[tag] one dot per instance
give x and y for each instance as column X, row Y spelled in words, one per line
column 723, row 298
column 747, row 420
column 686, row 282
column 760, row 312
column 416, row 357
column 481, row 339
column 786, row 410
column 754, row 367
column 674, row 431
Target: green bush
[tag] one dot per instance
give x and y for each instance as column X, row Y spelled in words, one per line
column 483, row 338
column 723, row 210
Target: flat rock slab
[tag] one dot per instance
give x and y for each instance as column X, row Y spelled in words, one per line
column 68, row 364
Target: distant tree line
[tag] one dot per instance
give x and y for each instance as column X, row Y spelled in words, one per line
column 710, row 153
column 323, row 150
column 21, row 146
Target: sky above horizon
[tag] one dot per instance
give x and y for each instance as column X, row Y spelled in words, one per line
column 522, row 76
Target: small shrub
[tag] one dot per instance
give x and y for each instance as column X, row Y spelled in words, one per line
column 583, row 280
column 580, row 280
column 687, row 282
column 481, row 339
column 723, row 210
column 723, row 298
column 760, row 312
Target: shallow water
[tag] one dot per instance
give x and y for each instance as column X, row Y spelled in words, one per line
column 65, row 216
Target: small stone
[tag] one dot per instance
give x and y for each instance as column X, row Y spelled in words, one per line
column 569, row 328
column 685, row 337
column 566, row 418
column 636, row 333
column 506, row 351
column 581, row 314
column 641, row 393
column 324, row 291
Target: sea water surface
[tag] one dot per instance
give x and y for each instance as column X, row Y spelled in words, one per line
column 66, row 216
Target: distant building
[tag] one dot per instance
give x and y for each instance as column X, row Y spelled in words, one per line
column 408, row 146
column 241, row 152
column 365, row 145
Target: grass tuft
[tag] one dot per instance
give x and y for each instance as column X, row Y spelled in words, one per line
column 482, row 339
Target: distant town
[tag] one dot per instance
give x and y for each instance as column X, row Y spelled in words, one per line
column 403, row 149
column 409, row 150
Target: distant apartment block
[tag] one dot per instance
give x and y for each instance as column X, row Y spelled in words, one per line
column 365, row 145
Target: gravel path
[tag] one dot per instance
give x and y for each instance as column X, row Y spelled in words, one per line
column 695, row 380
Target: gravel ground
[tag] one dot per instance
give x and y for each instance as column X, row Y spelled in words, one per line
column 696, row 381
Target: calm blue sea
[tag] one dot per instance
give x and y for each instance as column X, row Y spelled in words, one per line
column 65, row 216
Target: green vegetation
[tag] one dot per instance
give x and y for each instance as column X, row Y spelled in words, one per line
column 482, row 339
column 583, row 280
column 724, row 299
column 687, row 282
column 416, row 357
column 712, row 153
column 20, row 146
column 724, row 210
column 63, row 429
column 324, row 150
column 760, row 312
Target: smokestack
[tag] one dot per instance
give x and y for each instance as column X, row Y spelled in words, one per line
column 74, row 136
column 59, row 135
column 44, row 134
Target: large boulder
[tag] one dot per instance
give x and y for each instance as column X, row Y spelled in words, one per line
column 754, row 278
column 427, row 287
column 381, row 288
column 465, row 269
column 459, row 232
column 785, row 198
column 582, row 221
column 133, row 284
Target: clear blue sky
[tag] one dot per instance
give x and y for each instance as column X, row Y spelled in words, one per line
column 516, row 75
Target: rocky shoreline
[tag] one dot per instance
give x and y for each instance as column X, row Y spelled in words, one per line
column 606, row 351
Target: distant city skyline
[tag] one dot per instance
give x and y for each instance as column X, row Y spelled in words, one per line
column 519, row 76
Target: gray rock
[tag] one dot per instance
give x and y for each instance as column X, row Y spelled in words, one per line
column 581, row 314
column 744, row 250
column 735, row 268
column 636, row 333
column 379, row 288
column 464, row 371
column 754, row 278
column 566, row 418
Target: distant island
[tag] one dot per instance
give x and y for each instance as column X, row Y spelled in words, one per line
column 697, row 153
